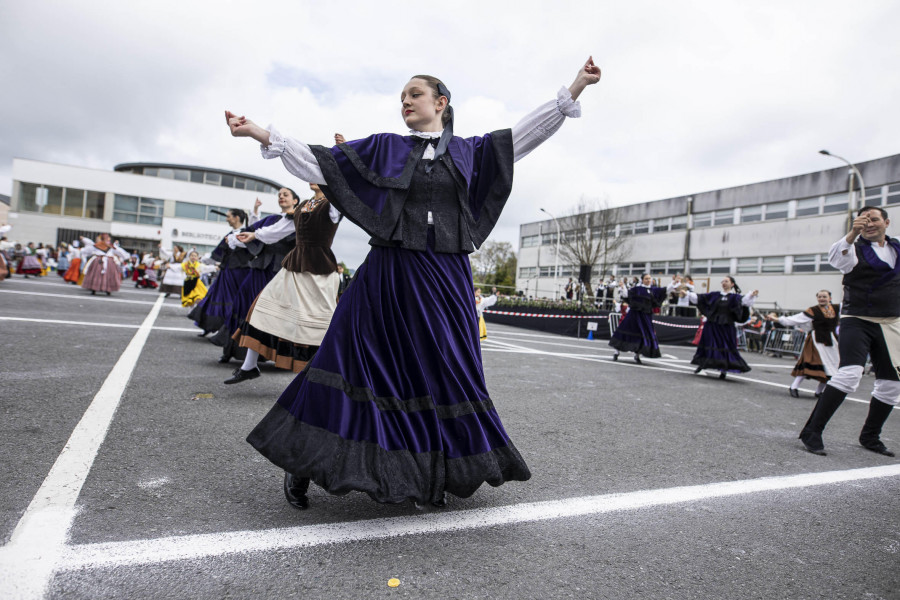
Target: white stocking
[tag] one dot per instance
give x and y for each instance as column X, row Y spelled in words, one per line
column 797, row 381
column 250, row 360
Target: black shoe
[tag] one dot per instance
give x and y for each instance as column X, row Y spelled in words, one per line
column 442, row 502
column 93, row 292
column 637, row 359
column 615, row 356
column 295, row 491
column 697, row 370
column 203, row 334
column 723, row 375
column 813, row 444
column 869, row 436
column 224, row 359
column 794, row 393
column 109, row 293
column 240, row 375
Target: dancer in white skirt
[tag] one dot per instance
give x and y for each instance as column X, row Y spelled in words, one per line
column 289, row 318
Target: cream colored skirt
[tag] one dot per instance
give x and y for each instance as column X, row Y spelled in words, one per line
column 297, row 306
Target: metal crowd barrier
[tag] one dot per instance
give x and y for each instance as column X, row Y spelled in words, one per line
column 614, row 322
column 741, row 338
column 784, row 341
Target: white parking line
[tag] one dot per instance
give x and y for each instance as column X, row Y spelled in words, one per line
column 93, row 324
column 192, row 547
column 81, row 297
column 30, row 558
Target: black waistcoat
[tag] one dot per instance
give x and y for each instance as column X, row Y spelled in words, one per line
column 439, row 191
column 823, row 326
column 871, row 291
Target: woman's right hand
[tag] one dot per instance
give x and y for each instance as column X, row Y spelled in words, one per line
column 246, row 236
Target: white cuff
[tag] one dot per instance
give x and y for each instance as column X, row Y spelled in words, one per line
column 276, row 144
column 566, row 106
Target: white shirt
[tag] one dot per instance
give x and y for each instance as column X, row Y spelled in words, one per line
column 842, row 255
column 746, row 300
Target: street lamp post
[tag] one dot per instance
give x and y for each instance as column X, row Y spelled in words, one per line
column 556, row 266
column 862, row 185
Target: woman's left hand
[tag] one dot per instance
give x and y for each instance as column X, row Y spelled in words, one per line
column 754, row 293
column 589, row 74
column 246, row 236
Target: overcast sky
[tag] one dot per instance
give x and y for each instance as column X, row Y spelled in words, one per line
column 694, row 96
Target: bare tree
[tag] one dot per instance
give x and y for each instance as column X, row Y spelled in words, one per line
column 489, row 258
column 589, row 237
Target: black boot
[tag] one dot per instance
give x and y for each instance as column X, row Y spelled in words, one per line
column 295, row 491
column 637, row 359
column 828, row 403
column 869, row 436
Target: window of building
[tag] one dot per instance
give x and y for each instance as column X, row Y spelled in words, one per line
column 642, row 227
column 133, row 209
column 197, row 176
column 527, row 272
column 660, row 225
column 720, row 265
column 805, row 263
column 835, row 203
column 807, row 206
column 778, row 210
column 824, row 265
column 166, row 173
column 724, row 217
column 548, row 239
column 227, row 180
column 623, row 269
column 546, row 271
column 748, row 265
column 659, row 268
column 702, row 219
column 893, row 194
column 45, row 199
column 699, row 267
column 568, row 271
column 873, row 196
column 676, row 266
column 530, row 241
column 73, row 203
column 189, row 210
column 94, row 204
column 773, row 264
column 151, row 171
column 182, row 175
column 751, row 214
column 679, row 222
column 626, row 228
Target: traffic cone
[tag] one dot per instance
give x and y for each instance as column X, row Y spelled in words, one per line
column 590, row 335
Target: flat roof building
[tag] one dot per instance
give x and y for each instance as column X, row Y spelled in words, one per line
column 773, row 236
column 140, row 204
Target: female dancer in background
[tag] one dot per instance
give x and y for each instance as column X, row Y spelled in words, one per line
column 103, row 270
column 635, row 332
column 288, row 320
column 173, row 278
column 394, row 403
column 717, row 348
column 819, row 359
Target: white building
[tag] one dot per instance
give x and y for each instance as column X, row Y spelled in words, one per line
column 773, row 236
column 139, row 204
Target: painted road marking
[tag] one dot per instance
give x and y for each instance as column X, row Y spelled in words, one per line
column 93, row 324
column 30, row 558
column 192, row 547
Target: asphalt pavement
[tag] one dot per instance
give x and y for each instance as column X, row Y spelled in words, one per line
column 126, row 475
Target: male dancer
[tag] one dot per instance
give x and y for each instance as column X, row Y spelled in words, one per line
column 870, row 325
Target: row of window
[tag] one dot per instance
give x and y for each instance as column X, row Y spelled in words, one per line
column 220, row 179
column 135, row 209
column 189, row 210
column 885, row 195
column 53, row 200
column 806, row 263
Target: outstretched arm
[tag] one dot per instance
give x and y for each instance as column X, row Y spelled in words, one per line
column 545, row 120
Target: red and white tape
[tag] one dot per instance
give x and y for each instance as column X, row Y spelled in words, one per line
column 519, row 314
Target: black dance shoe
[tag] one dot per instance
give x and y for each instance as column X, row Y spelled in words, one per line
column 794, row 393
column 93, row 292
column 203, row 334
column 109, row 293
column 224, row 359
column 615, row 357
column 723, row 375
column 637, row 359
column 813, row 443
column 441, row 502
column 878, row 448
column 697, row 370
column 295, row 491
column 239, row 375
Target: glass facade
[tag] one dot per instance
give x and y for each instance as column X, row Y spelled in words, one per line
column 134, row 209
column 199, row 176
column 53, row 200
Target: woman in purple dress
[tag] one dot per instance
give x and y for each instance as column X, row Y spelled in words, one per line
column 394, row 403
column 635, row 332
column 717, row 348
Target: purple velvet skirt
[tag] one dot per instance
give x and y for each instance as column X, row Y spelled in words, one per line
column 394, row 403
column 635, row 333
column 216, row 307
column 717, row 349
